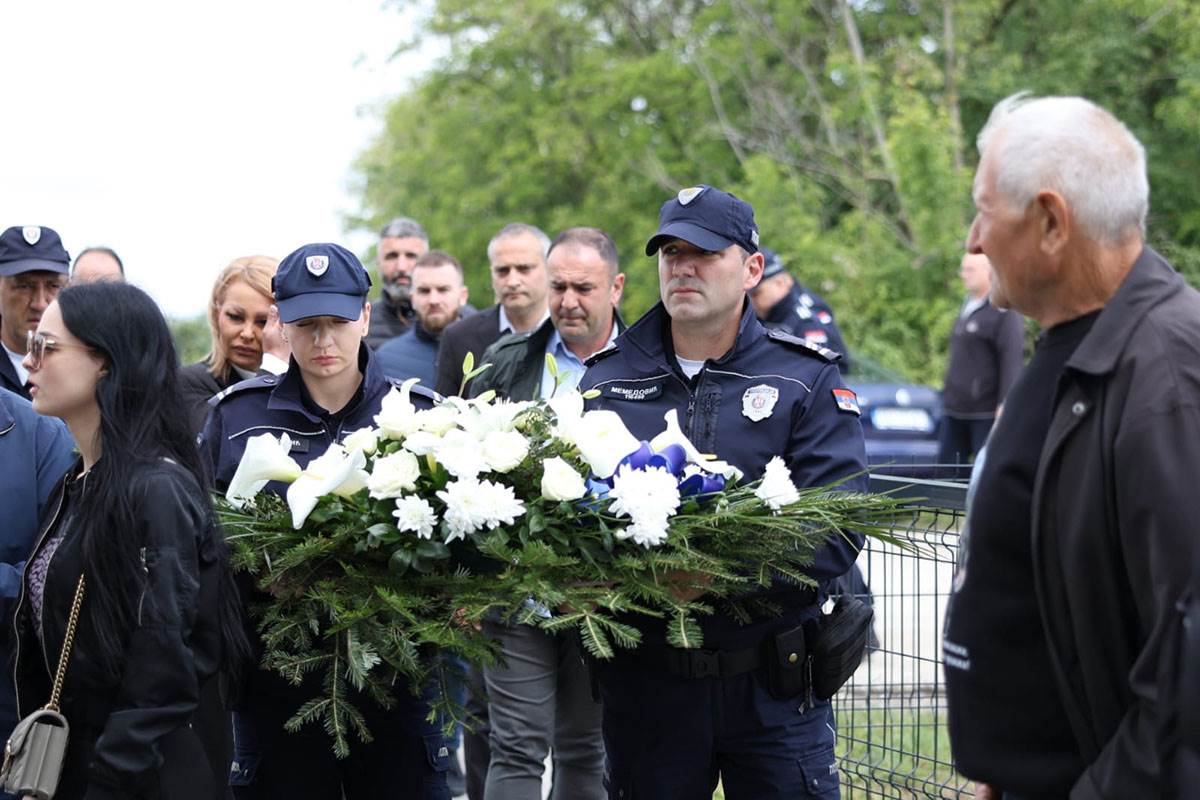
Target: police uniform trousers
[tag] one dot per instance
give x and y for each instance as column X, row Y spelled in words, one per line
column 407, row 758
column 670, row 738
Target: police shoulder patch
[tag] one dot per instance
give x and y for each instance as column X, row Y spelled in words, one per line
column 256, row 383
column 804, row 346
column 600, row 355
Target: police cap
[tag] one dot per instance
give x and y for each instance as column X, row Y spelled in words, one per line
column 708, row 218
column 320, row 280
column 26, row 248
column 772, row 263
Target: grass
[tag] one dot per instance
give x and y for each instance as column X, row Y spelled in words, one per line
column 894, row 753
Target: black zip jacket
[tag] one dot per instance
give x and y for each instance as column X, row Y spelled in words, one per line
column 1115, row 509
column 134, row 736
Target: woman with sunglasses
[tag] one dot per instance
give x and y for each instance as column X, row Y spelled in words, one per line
column 333, row 387
column 129, row 530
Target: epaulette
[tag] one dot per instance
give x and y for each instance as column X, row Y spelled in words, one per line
column 804, row 346
column 600, row 355
column 417, row 389
column 257, row 382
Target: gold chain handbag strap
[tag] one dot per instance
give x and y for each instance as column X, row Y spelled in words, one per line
column 65, row 655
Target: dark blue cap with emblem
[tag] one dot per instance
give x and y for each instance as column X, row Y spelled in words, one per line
column 320, row 280
column 708, row 218
column 772, row 263
column 30, row 248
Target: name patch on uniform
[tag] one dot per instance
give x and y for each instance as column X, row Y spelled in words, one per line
column 847, row 401
column 758, row 402
column 299, row 445
column 635, row 393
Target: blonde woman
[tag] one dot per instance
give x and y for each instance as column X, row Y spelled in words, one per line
column 239, row 313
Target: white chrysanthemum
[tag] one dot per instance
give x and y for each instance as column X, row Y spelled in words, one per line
column 473, row 505
column 504, row 450
column 776, row 488
column 393, row 475
column 650, row 498
column 415, row 514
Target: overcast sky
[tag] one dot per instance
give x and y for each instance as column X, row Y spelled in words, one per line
column 185, row 135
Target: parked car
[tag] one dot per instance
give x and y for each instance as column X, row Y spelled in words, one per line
column 900, row 420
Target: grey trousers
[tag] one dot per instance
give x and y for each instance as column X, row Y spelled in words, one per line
column 539, row 703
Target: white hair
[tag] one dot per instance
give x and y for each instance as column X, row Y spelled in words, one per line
column 1071, row 146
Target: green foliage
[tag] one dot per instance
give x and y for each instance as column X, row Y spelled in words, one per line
column 192, row 338
column 849, row 126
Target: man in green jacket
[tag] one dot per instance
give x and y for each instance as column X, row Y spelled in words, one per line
column 540, row 693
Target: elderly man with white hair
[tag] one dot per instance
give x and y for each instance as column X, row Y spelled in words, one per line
column 1082, row 526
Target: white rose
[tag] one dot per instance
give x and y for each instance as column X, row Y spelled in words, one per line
column 603, row 440
column 393, row 475
column 560, row 481
column 363, row 439
column 504, row 450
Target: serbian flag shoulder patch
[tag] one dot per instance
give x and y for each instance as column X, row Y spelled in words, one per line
column 847, row 401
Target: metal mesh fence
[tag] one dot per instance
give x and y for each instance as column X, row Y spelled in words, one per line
column 892, row 735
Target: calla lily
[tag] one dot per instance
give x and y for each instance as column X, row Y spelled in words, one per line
column 673, row 435
column 265, row 459
column 603, row 440
column 365, row 439
column 335, row 472
column 397, row 415
column 568, row 413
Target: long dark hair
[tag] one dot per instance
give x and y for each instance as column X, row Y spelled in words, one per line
column 141, row 423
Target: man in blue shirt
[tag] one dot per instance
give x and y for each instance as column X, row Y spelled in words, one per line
column 438, row 299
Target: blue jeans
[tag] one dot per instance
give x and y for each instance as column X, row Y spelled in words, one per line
column 670, row 738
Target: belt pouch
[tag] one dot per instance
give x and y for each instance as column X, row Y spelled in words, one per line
column 841, row 644
column 787, row 663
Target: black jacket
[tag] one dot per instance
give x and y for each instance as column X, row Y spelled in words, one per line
column 387, row 321
column 197, row 385
column 471, row 334
column 1115, row 507
column 8, row 377
column 518, row 363
column 986, row 352
column 135, row 736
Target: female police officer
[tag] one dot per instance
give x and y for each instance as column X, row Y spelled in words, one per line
column 332, row 387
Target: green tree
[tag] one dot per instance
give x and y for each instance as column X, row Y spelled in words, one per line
column 849, row 124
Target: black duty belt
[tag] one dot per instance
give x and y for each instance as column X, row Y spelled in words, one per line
column 702, row 663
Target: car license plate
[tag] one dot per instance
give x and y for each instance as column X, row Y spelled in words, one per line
column 901, row 419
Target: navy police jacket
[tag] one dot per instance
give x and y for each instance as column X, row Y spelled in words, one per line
column 277, row 404
column 771, row 395
column 805, row 315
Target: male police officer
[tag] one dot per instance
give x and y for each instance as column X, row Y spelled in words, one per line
column 783, row 303
column 33, row 268
column 332, row 387
column 676, row 719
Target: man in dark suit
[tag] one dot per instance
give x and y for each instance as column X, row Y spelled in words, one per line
column 517, row 254
column 33, row 268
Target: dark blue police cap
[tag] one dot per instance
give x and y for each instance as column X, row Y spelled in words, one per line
column 708, row 218
column 26, row 248
column 320, row 280
column 772, row 263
